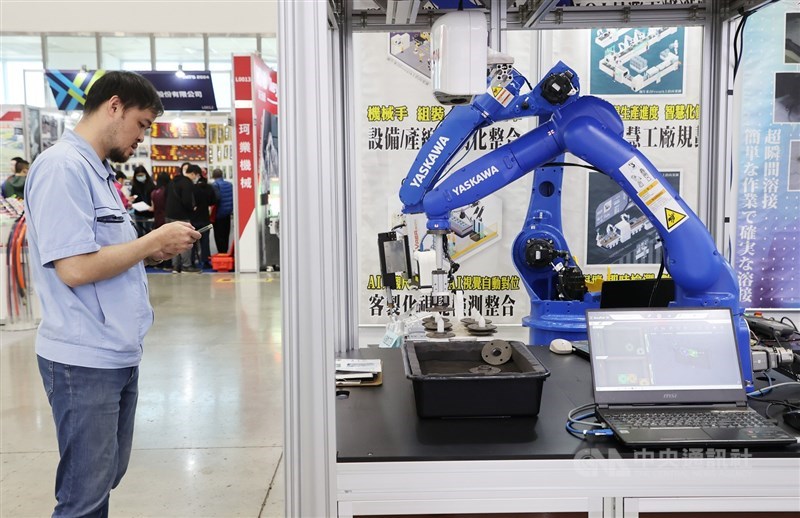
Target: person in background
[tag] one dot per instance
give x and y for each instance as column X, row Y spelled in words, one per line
column 14, row 186
column 185, row 167
column 141, row 190
column 158, row 200
column 14, row 163
column 88, row 269
column 204, row 198
column 119, row 179
column 180, row 207
column 13, row 172
column 224, row 211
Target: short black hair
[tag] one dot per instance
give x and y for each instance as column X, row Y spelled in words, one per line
column 21, row 165
column 217, row 173
column 162, row 179
column 133, row 90
column 17, row 159
column 194, row 169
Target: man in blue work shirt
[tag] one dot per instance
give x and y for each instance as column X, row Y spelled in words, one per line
column 88, row 268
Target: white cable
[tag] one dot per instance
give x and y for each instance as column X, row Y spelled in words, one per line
column 577, row 410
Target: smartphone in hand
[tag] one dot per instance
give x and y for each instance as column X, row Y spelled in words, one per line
column 204, row 229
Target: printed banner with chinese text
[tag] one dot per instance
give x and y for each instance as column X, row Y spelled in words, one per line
column 767, row 237
column 188, row 91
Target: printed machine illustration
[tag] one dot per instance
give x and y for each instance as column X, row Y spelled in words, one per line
column 591, row 129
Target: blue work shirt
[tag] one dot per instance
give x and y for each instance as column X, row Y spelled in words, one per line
column 72, row 208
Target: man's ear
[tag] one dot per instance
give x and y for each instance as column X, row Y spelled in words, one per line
column 114, row 105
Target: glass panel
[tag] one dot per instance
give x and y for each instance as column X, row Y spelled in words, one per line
column 221, row 49
column 187, row 52
column 25, row 48
column 269, row 50
column 222, row 89
column 71, row 52
column 16, row 81
column 19, row 53
column 126, row 53
column 36, row 88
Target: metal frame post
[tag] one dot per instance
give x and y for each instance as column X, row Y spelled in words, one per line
column 314, row 259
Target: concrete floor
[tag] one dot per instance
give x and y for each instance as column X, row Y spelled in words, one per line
column 208, row 440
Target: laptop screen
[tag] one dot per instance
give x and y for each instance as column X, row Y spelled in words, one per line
column 664, row 355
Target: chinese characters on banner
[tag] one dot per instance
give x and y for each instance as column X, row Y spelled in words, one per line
column 395, row 115
column 247, row 239
column 192, row 91
column 252, row 81
column 767, row 236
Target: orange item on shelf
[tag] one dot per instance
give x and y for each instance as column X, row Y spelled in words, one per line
column 222, row 262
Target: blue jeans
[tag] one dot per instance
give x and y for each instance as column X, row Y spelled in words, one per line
column 93, row 410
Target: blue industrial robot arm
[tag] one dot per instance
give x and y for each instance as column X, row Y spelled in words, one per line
column 502, row 101
column 591, row 129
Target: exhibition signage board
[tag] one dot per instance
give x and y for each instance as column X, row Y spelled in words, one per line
column 247, row 238
column 182, row 91
column 395, row 113
column 766, row 254
column 255, row 102
column 652, row 77
column 655, row 88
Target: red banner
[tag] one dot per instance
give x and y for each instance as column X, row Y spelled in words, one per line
column 242, row 80
column 245, row 139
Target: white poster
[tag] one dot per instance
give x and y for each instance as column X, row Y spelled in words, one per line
column 661, row 116
column 395, row 113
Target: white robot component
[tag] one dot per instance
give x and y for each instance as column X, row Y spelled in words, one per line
column 459, row 56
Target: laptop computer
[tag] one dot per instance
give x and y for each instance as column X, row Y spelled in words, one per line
column 665, row 377
column 640, row 293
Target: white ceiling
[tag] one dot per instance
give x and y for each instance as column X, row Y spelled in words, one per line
column 140, row 16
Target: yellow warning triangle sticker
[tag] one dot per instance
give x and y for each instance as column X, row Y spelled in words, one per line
column 673, row 217
column 496, row 91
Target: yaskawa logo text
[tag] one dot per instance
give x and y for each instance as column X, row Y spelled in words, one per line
column 429, row 162
column 475, row 180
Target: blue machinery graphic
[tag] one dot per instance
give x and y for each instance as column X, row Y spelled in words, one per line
column 591, row 129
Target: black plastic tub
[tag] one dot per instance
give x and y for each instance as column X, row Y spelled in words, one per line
column 445, row 387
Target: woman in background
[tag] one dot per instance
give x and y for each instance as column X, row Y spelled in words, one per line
column 141, row 191
column 119, row 179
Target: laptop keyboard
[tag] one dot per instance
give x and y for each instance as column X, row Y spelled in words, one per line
column 688, row 419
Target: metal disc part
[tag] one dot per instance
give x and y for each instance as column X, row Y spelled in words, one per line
column 485, row 369
column 432, row 326
column 469, row 321
column 428, row 320
column 482, row 333
column 478, row 329
column 496, row 352
column 434, row 334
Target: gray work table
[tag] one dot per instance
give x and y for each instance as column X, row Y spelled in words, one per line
column 389, row 461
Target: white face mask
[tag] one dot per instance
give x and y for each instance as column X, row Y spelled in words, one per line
column 141, row 178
